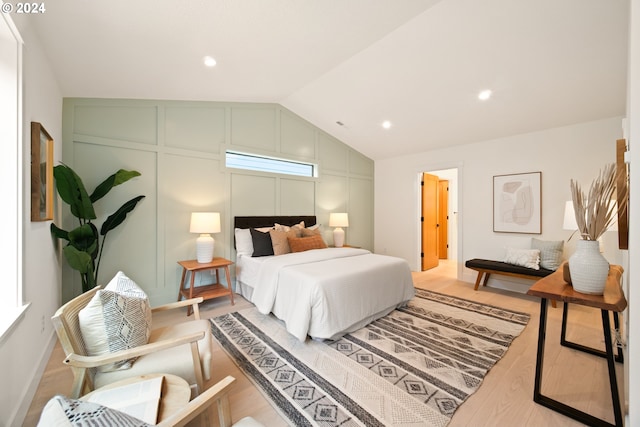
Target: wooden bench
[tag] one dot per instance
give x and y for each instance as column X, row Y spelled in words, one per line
column 486, row 268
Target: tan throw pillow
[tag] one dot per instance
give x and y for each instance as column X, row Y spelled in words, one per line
column 297, row 227
column 300, row 244
column 279, row 240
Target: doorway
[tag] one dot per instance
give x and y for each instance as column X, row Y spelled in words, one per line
column 438, row 221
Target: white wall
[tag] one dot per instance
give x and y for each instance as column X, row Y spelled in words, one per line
column 24, row 352
column 561, row 154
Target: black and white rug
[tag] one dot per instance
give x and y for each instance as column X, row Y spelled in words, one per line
column 413, row 367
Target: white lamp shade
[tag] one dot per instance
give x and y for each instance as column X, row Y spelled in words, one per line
column 338, row 220
column 569, row 222
column 205, row 223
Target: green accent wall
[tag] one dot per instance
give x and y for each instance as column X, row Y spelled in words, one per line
column 179, row 148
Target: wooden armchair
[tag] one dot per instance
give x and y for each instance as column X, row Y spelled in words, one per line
column 183, row 349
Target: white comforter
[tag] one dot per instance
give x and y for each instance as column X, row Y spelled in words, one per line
column 325, row 293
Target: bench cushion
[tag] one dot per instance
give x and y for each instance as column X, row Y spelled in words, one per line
column 485, row 264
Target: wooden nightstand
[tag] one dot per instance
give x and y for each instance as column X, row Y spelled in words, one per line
column 213, row 290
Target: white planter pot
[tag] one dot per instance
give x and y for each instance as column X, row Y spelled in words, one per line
column 589, row 269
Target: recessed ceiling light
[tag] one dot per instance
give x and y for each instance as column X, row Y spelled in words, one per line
column 209, row 61
column 386, row 124
column 484, row 95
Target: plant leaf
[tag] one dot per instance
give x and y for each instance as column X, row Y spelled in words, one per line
column 116, row 179
column 58, row 232
column 119, row 216
column 72, row 191
column 77, row 259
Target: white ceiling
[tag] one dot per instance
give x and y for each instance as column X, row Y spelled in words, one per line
column 418, row 63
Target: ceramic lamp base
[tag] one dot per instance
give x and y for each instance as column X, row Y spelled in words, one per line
column 338, row 237
column 204, row 248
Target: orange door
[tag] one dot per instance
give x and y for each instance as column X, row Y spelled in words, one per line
column 429, row 221
column 443, row 219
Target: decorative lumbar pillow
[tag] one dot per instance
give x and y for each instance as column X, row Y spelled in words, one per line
column 550, row 252
column 262, row 245
column 300, row 244
column 279, row 241
column 118, row 317
column 529, row 258
column 61, row 411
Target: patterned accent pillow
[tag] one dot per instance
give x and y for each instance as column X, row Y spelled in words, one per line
column 61, row 411
column 118, row 317
column 529, row 258
column 279, row 241
column 300, row 244
column 550, row 252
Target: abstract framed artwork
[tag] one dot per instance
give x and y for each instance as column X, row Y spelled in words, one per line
column 41, row 173
column 517, row 203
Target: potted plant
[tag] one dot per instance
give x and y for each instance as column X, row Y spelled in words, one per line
column 84, row 249
column 594, row 214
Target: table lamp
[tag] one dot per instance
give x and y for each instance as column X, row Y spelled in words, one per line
column 204, row 223
column 338, row 220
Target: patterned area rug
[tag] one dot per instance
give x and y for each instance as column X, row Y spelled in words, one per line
column 414, row 367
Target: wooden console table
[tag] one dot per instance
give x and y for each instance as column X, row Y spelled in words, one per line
column 554, row 287
column 213, row 290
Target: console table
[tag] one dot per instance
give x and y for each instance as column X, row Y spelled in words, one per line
column 554, row 287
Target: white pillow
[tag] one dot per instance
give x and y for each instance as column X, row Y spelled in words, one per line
column 529, row 258
column 118, row 317
column 244, row 243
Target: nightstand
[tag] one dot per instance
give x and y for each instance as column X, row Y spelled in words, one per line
column 213, row 290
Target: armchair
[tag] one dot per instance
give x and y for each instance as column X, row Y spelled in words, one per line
column 183, row 349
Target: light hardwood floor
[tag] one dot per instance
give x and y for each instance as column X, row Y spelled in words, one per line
column 505, row 397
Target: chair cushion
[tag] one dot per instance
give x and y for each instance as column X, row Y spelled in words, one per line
column 61, row 411
column 175, row 360
column 118, row 317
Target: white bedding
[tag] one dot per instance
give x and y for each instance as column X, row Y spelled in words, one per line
column 325, row 293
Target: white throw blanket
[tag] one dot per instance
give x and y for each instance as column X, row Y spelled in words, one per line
column 325, row 293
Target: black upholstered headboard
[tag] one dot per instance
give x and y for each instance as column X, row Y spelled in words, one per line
column 268, row 221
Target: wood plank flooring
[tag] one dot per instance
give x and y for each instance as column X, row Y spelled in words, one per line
column 505, row 397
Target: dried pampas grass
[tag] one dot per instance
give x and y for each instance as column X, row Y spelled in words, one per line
column 597, row 212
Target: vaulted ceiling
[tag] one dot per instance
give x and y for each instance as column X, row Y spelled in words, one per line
column 418, row 63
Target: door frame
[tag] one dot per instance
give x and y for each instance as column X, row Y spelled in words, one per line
column 417, row 200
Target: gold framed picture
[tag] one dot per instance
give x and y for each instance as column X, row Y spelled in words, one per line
column 41, row 173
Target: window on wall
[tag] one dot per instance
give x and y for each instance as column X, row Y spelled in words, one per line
column 11, row 165
column 256, row 162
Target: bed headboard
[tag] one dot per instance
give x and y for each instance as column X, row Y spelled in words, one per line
column 268, row 221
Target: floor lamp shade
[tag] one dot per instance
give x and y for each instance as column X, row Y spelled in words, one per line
column 205, row 223
column 338, row 220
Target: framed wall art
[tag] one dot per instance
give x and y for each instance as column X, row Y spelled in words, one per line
column 41, row 173
column 517, row 203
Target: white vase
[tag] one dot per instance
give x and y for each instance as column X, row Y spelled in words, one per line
column 589, row 269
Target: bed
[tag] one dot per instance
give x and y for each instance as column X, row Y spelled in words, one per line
column 321, row 293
